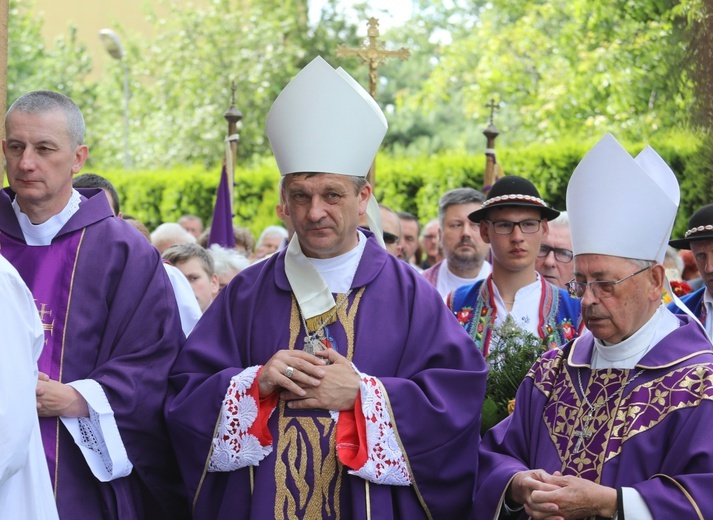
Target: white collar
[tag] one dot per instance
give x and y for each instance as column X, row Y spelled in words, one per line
column 312, row 293
column 338, row 272
column 627, row 353
column 526, row 306
column 42, row 234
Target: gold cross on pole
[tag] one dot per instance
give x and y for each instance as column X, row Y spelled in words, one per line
column 493, row 106
column 372, row 53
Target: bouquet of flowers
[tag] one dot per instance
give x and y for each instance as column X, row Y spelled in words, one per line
column 512, row 353
column 680, row 288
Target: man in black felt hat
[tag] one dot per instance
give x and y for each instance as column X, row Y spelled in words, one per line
column 699, row 239
column 513, row 220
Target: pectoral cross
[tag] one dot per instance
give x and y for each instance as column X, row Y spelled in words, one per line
column 312, row 344
column 584, row 433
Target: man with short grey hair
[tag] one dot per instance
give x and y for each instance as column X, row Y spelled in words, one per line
column 112, row 328
column 464, row 251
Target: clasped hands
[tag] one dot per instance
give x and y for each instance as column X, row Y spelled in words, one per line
column 557, row 497
column 312, row 383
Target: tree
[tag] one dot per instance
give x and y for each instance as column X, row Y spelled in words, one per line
column 563, row 68
column 181, row 80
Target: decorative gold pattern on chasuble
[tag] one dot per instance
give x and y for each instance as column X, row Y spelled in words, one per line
column 305, row 451
column 639, row 409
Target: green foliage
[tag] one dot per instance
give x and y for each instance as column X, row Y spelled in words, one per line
column 404, row 183
column 180, row 80
column 156, row 196
column 562, row 69
column 63, row 66
column 512, row 353
column 566, row 72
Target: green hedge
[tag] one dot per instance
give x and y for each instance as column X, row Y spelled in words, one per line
column 404, row 183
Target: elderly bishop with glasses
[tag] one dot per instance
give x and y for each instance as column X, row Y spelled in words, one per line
column 615, row 424
column 514, row 220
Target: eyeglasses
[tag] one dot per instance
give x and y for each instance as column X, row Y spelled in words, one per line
column 506, row 227
column 561, row 255
column 430, row 237
column 604, row 289
column 390, row 238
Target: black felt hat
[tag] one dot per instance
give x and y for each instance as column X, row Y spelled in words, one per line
column 700, row 227
column 512, row 190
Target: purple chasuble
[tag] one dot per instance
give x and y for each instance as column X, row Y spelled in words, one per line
column 48, row 273
column 394, row 327
column 111, row 300
column 650, row 429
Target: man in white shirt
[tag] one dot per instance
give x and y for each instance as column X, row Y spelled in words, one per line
column 463, row 249
column 514, row 220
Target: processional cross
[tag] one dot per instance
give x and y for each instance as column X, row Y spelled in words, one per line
column 493, row 106
column 374, row 54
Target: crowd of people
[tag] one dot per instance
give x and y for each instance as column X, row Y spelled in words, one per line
column 337, row 366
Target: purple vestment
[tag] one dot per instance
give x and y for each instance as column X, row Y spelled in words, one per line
column 654, row 436
column 121, row 329
column 394, row 327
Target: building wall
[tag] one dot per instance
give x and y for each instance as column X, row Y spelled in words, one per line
column 90, row 16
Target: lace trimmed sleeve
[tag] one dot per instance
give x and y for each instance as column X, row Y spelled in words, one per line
column 240, row 438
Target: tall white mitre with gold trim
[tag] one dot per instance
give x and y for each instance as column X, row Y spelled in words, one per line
column 621, row 206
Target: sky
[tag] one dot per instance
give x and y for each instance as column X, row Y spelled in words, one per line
column 389, row 12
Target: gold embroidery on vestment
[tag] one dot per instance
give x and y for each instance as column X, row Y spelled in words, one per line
column 301, row 441
column 637, row 411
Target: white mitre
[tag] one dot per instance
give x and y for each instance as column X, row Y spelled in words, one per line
column 621, row 206
column 323, row 121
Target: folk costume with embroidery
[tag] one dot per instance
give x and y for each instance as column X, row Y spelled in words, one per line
column 475, row 308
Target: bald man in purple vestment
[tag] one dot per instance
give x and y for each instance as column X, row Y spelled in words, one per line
column 328, row 381
column 111, row 324
column 617, row 423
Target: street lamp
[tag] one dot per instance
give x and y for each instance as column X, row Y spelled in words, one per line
column 112, row 44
